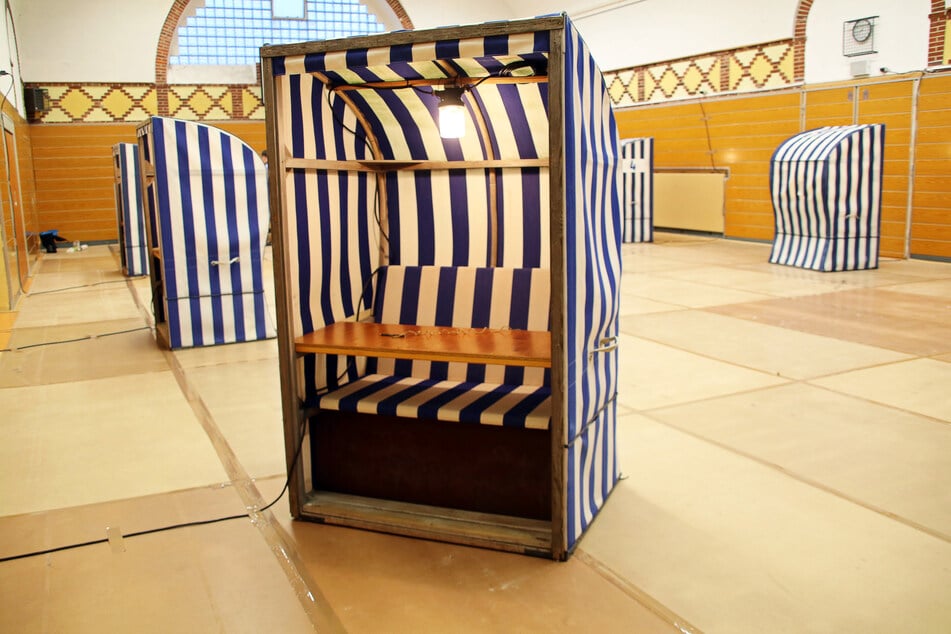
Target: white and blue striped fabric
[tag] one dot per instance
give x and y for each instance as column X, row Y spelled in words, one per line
column 464, row 217
column 337, row 227
column 593, row 276
column 130, row 220
column 637, row 169
column 463, row 297
column 826, row 187
column 211, row 218
column 456, row 297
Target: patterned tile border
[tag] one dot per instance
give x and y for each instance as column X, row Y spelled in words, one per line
column 767, row 66
column 99, row 103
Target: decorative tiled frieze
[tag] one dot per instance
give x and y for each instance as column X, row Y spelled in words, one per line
column 99, row 103
column 766, row 66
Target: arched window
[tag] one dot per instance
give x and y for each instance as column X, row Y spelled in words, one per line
column 219, row 40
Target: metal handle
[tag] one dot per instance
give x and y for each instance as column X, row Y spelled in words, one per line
column 607, row 344
column 219, row 262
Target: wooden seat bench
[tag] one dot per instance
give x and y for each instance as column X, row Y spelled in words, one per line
column 444, row 415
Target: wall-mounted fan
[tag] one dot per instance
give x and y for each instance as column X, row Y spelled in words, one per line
column 858, row 36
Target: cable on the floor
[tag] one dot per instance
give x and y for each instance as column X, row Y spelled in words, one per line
column 86, row 338
column 70, row 288
column 160, row 529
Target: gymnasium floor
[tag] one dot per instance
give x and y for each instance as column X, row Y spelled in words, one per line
column 784, row 437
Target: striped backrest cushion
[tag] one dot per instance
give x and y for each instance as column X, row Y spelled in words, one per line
column 463, row 297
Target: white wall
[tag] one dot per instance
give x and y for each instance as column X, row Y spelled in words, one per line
column 116, row 40
column 646, row 31
column 10, row 85
column 427, row 14
column 901, row 37
column 89, row 40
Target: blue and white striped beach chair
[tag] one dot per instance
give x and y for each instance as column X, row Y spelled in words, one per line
column 206, row 195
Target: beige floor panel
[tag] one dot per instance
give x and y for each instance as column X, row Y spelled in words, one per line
column 131, row 351
column 75, row 282
column 380, row 583
column 734, row 546
column 844, row 280
column 921, row 385
column 777, row 281
column 94, row 258
column 245, row 400
column 643, row 258
column 658, row 376
column 213, row 578
column 108, row 302
column 915, row 324
column 90, row 441
column 709, row 251
column 56, row 528
column 894, row 462
column 631, row 304
column 940, row 289
column 684, row 293
column 229, row 353
column 752, row 502
column 917, row 268
column 770, row 349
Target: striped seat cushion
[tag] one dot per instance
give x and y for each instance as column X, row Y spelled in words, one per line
column 458, row 297
column 525, row 406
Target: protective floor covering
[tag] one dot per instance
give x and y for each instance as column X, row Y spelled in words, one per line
column 784, row 436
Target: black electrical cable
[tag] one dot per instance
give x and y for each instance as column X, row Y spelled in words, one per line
column 376, row 194
column 86, row 338
column 69, row 288
column 149, row 531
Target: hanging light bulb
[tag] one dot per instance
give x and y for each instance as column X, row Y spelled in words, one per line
column 452, row 113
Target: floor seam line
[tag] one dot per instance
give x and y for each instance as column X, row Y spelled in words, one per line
column 808, row 481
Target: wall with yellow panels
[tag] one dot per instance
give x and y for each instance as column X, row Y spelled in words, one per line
column 73, row 171
column 19, row 149
column 744, row 131
column 931, row 220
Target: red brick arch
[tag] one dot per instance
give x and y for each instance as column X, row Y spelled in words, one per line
column 799, row 39
column 938, row 19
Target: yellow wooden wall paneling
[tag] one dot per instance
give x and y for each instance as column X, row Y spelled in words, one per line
column 73, row 168
column 931, row 215
column 744, row 131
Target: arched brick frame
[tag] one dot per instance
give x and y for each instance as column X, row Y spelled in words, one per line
column 938, row 32
column 799, row 40
column 938, row 19
column 167, row 35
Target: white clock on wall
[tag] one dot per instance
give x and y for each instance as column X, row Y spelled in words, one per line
column 858, row 36
column 861, row 30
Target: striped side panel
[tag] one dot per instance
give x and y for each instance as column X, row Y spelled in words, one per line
column 463, row 297
column 212, row 210
column 593, row 271
column 826, row 189
column 330, row 221
column 129, row 208
column 489, row 216
column 637, row 169
column 523, row 406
